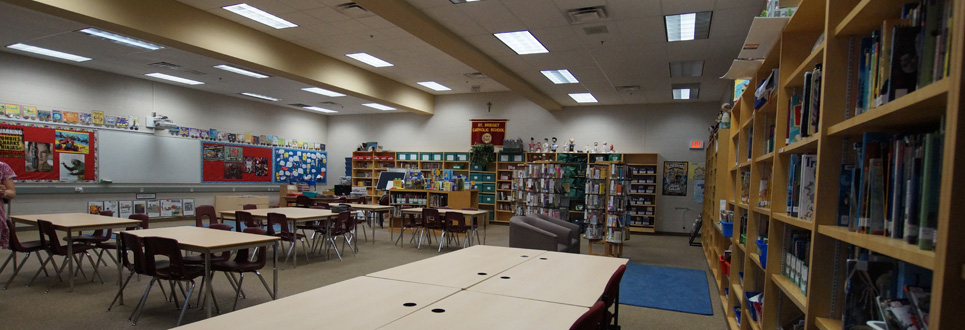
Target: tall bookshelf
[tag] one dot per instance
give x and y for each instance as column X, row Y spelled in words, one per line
column 740, row 152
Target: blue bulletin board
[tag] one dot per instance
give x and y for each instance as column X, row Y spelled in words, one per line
column 300, row 166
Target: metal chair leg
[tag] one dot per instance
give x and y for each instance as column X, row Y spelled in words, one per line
column 185, row 307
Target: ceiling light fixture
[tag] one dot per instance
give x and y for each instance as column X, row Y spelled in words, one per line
column 369, row 59
column 159, row 75
column 434, row 86
column 48, row 52
column 462, row 1
column 241, row 71
column 583, row 97
column 322, row 91
column 685, row 91
column 124, row 40
column 259, row 96
column 687, row 69
column 379, row 106
column 259, row 16
column 560, row 76
column 323, row 110
column 690, row 26
column 521, row 42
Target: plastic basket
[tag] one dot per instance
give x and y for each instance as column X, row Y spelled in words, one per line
column 762, row 247
column 727, row 228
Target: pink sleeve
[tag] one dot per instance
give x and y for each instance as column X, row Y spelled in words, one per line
column 6, row 172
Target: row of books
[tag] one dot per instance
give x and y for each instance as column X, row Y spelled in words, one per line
column 797, row 259
column 764, row 192
column 745, row 186
column 800, row 186
column 886, row 293
column 907, row 53
column 805, row 107
column 893, row 186
column 765, row 91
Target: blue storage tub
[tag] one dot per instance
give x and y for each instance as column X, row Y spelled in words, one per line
column 727, row 228
column 737, row 313
column 750, row 305
column 763, row 249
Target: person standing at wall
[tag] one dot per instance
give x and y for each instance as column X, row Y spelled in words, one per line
column 7, row 191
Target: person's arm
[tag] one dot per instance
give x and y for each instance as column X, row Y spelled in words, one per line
column 8, row 192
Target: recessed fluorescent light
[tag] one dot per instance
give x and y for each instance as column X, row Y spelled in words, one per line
column 379, row 106
column 687, row 69
column 521, row 42
column 681, row 94
column 434, row 86
column 259, row 96
column 48, row 52
column 685, row 91
column 259, row 16
column 560, row 76
column 369, row 59
column 241, row 71
column 688, row 26
column 320, row 109
column 128, row 41
column 462, row 1
column 322, row 91
column 583, row 97
column 174, row 79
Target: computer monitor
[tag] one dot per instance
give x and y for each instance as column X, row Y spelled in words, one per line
column 388, row 176
column 343, row 189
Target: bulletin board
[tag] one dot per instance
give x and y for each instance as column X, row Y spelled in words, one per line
column 235, row 163
column 300, row 166
column 49, row 153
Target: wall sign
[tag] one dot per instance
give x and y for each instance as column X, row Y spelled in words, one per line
column 488, row 131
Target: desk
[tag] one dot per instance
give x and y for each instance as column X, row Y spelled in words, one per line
column 564, row 278
column 369, row 209
column 294, row 215
column 70, row 222
column 208, row 241
column 461, row 269
column 471, row 213
column 358, row 303
column 473, row 310
column 288, row 200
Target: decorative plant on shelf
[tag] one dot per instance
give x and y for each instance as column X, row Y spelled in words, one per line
column 482, row 155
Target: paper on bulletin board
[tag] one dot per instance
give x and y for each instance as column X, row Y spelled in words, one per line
column 698, row 191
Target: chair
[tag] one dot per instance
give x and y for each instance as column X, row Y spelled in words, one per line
column 108, row 246
column 243, row 263
column 249, row 207
column 98, row 236
column 242, row 217
column 285, row 234
column 412, row 223
column 454, row 223
column 574, row 234
column 207, row 211
column 591, row 319
column 474, row 224
column 303, row 201
column 430, row 221
column 132, row 258
column 16, row 246
column 176, row 270
column 532, row 233
column 611, row 297
column 383, row 201
column 49, row 242
column 343, row 226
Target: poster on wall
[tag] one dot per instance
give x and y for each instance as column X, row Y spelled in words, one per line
column 153, row 208
column 300, row 166
column 95, row 207
column 697, row 171
column 698, row 191
column 675, row 178
column 140, row 207
column 48, row 153
column 125, row 209
column 488, row 131
column 223, row 162
column 187, row 206
column 110, row 206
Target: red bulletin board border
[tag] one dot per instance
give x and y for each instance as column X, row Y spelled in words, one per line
column 46, row 134
column 213, row 171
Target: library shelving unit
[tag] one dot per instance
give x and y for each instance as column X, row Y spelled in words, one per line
column 826, row 33
column 643, row 177
column 433, row 198
column 505, row 173
column 617, row 213
column 485, row 181
column 541, row 186
column 574, row 183
column 366, row 166
column 606, row 206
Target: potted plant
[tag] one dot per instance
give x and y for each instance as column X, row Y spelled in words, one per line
column 482, row 155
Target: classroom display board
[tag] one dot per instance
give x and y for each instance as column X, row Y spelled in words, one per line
column 235, row 163
column 300, row 166
column 49, row 153
column 132, row 157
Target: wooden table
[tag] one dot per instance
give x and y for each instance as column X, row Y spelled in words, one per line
column 294, row 216
column 461, row 269
column 288, row 200
column 564, row 278
column 473, row 310
column 358, row 303
column 473, row 214
column 70, row 222
column 208, row 241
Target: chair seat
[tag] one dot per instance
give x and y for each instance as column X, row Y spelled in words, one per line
column 235, row 266
column 289, row 236
column 221, row 226
column 110, row 245
column 89, row 239
column 199, row 258
column 190, row 272
column 31, row 246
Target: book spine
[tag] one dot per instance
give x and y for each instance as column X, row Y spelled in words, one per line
column 930, row 190
column 806, row 194
column 815, row 109
column 806, row 105
column 913, row 189
column 844, row 195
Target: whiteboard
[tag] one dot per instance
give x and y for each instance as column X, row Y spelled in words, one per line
column 128, row 157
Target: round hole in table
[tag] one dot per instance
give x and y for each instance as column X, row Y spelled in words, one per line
column 409, row 304
column 543, row 259
column 504, row 277
column 482, row 273
column 524, row 256
column 438, row 310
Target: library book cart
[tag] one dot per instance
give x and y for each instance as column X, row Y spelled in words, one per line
column 795, row 250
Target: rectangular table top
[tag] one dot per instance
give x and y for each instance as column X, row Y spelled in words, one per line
column 290, row 212
column 473, row 310
column 77, row 221
column 358, row 303
column 460, row 269
column 370, row 207
column 443, row 211
column 207, row 240
column 566, row 278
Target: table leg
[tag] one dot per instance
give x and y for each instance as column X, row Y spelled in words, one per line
column 294, row 244
column 70, row 259
column 485, row 228
column 207, row 280
column 120, row 268
column 371, row 221
column 274, row 266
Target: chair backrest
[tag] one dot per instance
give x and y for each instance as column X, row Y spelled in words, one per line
column 167, row 247
column 242, row 256
column 48, row 238
column 430, row 216
column 613, row 286
column 145, row 220
column 303, row 201
column 363, row 200
column 249, row 207
column 591, row 319
column 134, row 246
column 205, row 211
column 277, row 219
column 107, row 213
column 247, row 219
column 15, row 244
column 345, row 221
column 455, row 218
column 384, row 200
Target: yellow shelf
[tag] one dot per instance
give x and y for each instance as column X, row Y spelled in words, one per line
column 757, row 260
column 769, row 107
column 824, row 323
column 891, row 247
column 747, row 123
column 765, row 157
column 808, row 144
column 641, row 229
column 762, row 210
column 783, row 217
column 791, row 290
column 797, row 76
column 921, row 106
column 739, row 290
column 754, row 324
column 809, row 17
column 867, row 16
column 742, row 205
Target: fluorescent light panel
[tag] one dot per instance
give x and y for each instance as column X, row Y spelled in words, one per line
column 124, row 40
column 174, row 79
column 48, row 52
column 689, row 26
column 462, row 1
column 322, row 91
column 560, row 76
column 687, row 69
column 583, row 97
column 320, row 109
column 241, row 71
column 521, row 42
column 379, row 106
column 434, row 86
column 681, row 94
column 259, row 16
column 369, row 59
column 259, row 96
column 685, row 91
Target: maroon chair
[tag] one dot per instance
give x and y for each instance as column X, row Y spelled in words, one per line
column 413, row 224
column 132, row 258
column 278, row 219
column 207, row 211
column 16, row 246
column 343, row 227
column 246, row 219
column 176, row 270
column 591, row 319
column 454, row 223
column 145, row 220
column 98, row 236
column 474, row 224
column 245, row 263
column 303, row 201
column 249, row 207
column 430, row 221
column 611, row 297
column 50, row 243
column 109, row 246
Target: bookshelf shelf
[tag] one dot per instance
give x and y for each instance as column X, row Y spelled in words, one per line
column 731, row 319
column 793, row 221
column 796, row 77
column 867, row 16
column 642, row 229
column 765, row 157
column 742, row 247
column 754, row 324
column 921, row 106
column 757, row 260
column 745, row 164
column 742, row 205
column 824, row 323
column 746, row 123
column 808, row 144
column 891, row 247
column 762, row 210
column 808, row 17
column 791, row 290
column 736, row 288
column 769, row 107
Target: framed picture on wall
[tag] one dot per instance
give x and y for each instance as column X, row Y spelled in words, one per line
column 125, row 209
column 187, row 206
column 95, row 207
column 675, row 178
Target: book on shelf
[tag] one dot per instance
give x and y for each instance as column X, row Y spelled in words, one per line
column 745, row 186
column 871, row 145
column 806, row 103
column 764, row 190
column 930, row 190
column 814, row 109
column 794, row 118
column 792, row 182
column 808, row 170
column 844, row 194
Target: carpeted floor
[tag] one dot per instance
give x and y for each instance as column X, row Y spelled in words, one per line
column 86, row 308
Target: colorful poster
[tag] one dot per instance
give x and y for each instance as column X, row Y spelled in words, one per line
column 11, row 143
column 675, row 178
column 11, row 110
column 30, row 112
column 95, row 207
column 300, row 166
column 110, row 206
column 49, row 153
column 44, row 115
column 140, row 207
column 698, row 191
column 176, row 206
column 121, row 122
column 57, row 116
column 85, row 119
column 488, row 131
column 125, row 209
column 256, row 165
column 153, row 208
column 72, row 142
column 72, row 167
column 697, row 171
column 110, row 121
column 213, row 152
column 38, row 157
column 232, row 171
column 167, row 208
column 237, row 163
column 233, row 154
column 71, row 117
column 97, row 117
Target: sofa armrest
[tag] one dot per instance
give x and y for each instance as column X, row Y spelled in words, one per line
column 528, row 236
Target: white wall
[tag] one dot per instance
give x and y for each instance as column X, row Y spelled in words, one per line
column 663, row 128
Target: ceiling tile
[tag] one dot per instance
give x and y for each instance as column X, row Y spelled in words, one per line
column 537, row 14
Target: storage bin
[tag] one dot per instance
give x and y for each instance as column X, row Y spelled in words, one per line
column 724, row 266
column 727, row 228
column 487, row 198
column 762, row 248
column 425, row 156
column 487, row 187
column 751, row 306
column 488, row 177
column 475, row 167
column 737, row 314
column 476, row 177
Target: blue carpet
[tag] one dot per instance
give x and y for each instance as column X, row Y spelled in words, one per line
column 669, row 288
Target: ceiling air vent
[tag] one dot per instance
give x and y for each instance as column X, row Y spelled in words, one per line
column 586, row 15
column 591, row 30
column 476, row 75
column 628, row 88
column 166, row 65
column 353, row 10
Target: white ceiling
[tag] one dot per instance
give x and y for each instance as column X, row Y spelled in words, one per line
column 633, row 52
